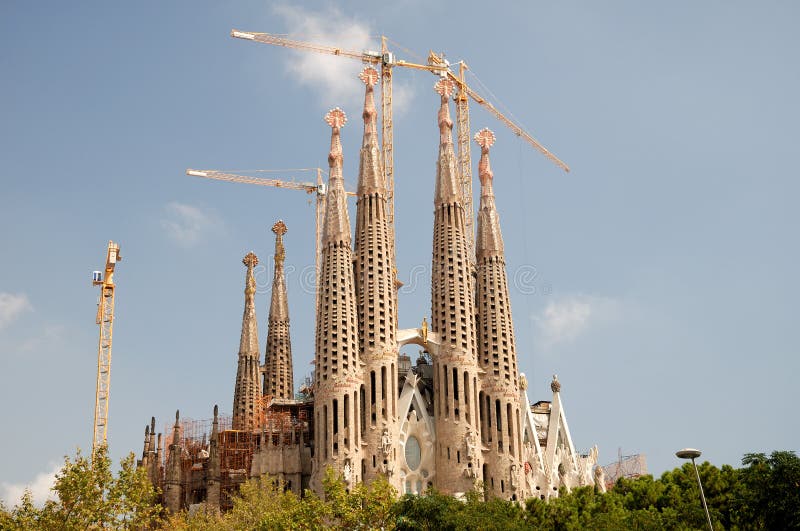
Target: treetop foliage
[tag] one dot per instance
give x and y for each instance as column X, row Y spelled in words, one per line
column 763, row 494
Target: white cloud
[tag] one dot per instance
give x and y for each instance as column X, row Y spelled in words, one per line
column 402, row 96
column 566, row 318
column 51, row 335
column 39, row 487
column 187, row 224
column 334, row 78
column 11, row 306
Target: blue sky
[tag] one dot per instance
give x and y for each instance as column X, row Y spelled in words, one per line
column 657, row 279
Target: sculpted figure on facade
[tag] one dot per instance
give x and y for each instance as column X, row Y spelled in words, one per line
column 600, row 478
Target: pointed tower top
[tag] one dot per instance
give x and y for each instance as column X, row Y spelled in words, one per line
column 215, row 425
column 489, row 240
column 371, row 178
column 279, row 228
column 337, row 222
column 279, row 305
column 444, row 87
column 176, row 429
column 485, row 139
column 250, row 260
column 336, row 118
column 249, row 340
column 448, row 189
column 369, row 76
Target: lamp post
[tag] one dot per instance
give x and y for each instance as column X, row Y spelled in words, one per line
column 691, row 453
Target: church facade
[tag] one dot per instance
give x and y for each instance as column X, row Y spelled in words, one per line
column 456, row 418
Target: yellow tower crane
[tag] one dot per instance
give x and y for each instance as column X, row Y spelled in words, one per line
column 439, row 66
column 105, row 318
column 310, row 188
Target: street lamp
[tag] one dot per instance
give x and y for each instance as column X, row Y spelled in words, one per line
column 691, row 453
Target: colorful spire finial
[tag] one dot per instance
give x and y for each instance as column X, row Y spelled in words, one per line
column 336, row 118
column 485, row 138
column 555, row 385
column 279, row 228
column 250, row 260
column 444, row 87
column 369, row 76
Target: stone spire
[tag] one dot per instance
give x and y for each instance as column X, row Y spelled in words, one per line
column 496, row 351
column 278, row 378
column 173, row 481
column 248, row 386
column 377, row 305
column 152, row 460
column 456, row 372
column 447, row 185
column 159, row 460
column 489, row 241
column 143, row 462
column 338, row 369
column 213, row 485
column 336, row 227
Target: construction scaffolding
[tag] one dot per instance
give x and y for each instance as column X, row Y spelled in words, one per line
column 626, row 466
column 280, row 423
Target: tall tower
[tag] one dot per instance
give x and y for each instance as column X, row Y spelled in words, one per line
column 173, row 480
column 338, row 369
column 499, row 397
column 377, row 308
column 214, row 477
column 248, row 387
column 278, row 379
column 456, row 384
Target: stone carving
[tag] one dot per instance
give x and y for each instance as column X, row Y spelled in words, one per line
column 386, row 442
column 348, row 471
column 471, row 441
column 555, row 385
column 600, row 478
column 523, row 381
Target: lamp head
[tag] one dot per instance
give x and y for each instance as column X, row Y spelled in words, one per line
column 688, row 453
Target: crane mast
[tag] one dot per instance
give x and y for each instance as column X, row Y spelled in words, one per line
column 105, row 319
column 387, row 139
column 465, row 162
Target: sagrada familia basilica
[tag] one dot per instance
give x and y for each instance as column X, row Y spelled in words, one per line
column 457, row 418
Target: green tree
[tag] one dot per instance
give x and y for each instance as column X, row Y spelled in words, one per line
column 365, row 507
column 433, row 511
column 88, row 496
column 770, row 495
column 24, row 515
column 429, row 512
